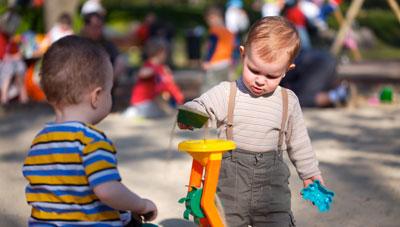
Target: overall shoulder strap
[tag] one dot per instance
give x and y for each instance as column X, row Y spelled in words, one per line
column 285, row 106
column 231, row 107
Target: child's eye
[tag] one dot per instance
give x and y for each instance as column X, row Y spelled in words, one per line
column 254, row 71
column 272, row 77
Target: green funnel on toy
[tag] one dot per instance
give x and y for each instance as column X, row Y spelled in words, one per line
column 191, row 117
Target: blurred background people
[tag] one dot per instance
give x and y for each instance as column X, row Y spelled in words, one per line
column 12, row 65
column 272, row 7
column 62, row 28
column 220, row 46
column 237, row 22
column 314, row 80
column 93, row 29
column 154, row 93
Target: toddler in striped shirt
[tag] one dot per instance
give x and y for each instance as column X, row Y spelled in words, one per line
column 71, row 166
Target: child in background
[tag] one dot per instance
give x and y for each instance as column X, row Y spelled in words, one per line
column 272, row 7
column 264, row 120
column 62, row 28
column 220, row 48
column 294, row 14
column 237, row 22
column 12, row 69
column 155, row 91
column 71, row 166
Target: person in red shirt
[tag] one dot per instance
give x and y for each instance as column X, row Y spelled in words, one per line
column 155, row 90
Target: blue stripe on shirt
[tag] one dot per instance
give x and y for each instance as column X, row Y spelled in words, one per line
column 58, row 150
column 60, row 192
column 54, row 173
column 103, row 179
column 99, row 157
column 100, row 208
column 72, row 129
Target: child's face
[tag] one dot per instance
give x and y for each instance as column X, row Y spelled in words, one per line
column 104, row 100
column 212, row 19
column 262, row 77
column 161, row 56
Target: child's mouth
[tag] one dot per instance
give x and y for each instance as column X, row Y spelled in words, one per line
column 256, row 90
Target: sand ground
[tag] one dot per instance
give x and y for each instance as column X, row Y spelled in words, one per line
column 358, row 149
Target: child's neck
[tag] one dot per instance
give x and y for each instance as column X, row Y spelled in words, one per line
column 217, row 23
column 72, row 113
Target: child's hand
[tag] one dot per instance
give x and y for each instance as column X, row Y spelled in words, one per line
column 150, row 211
column 206, row 65
column 183, row 126
column 310, row 180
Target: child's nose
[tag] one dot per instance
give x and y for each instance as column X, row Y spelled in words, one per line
column 259, row 81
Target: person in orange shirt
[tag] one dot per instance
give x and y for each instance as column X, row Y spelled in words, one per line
column 220, row 46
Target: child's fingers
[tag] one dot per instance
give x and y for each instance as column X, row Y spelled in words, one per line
column 151, row 213
column 183, row 126
column 150, row 216
column 308, row 181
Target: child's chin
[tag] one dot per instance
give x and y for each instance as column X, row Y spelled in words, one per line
column 257, row 94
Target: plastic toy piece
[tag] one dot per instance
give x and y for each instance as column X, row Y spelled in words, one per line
column 149, row 225
column 191, row 117
column 192, row 203
column 386, row 95
column 320, row 196
column 207, row 155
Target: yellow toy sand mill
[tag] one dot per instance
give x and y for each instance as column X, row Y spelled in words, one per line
column 207, row 156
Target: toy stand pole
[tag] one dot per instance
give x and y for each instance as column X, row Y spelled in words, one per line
column 195, row 175
column 195, row 181
column 207, row 156
column 210, row 188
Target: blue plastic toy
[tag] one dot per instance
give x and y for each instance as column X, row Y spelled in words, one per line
column 320, row 196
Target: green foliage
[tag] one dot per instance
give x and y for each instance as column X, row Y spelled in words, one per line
column 181, row 17
column 381, row 51
column 384, row 24
column 374, row 4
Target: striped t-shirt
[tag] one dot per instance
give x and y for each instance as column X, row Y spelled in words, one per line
column 65, row 162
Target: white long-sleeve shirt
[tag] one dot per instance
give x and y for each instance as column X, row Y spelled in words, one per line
column 257, row 122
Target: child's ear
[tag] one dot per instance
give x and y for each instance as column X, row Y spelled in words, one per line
column 291, row 67
column 241, row 49
column 94, row 97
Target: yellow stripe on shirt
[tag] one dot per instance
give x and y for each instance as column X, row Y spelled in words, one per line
column 58, row 180
column 62, row 136
column 102, row 216
column 97, row 146
column 48, row 197
column 53, row 158
column 99, row 165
